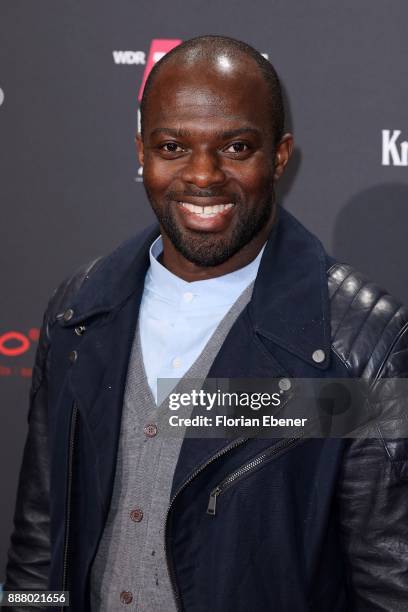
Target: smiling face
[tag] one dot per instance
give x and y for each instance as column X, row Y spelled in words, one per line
column 210, row 162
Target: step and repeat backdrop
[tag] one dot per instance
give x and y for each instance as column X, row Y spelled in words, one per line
column 71, row 75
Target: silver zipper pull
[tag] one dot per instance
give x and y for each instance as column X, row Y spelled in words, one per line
column 212, row 502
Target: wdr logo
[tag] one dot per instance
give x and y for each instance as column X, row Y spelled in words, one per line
column 129, row 57
column 158, row 48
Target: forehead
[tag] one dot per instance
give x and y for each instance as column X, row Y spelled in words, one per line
column 208, row 94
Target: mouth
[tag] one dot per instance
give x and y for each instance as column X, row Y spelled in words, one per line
column 208, row 211
column 205, row 214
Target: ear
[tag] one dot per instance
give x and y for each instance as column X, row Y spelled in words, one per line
column 283, row 152
column 140, row 148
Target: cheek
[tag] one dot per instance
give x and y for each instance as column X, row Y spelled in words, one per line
column 256, row 180
column 158, row 174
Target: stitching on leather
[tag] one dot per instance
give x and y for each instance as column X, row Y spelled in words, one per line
column 346, row 364
column 401, row 351
column 335, row 265
column 397, row 339
column 382, row 334
column 342, row 283
column 364, row 321
column 334, row 333
column 388, row 453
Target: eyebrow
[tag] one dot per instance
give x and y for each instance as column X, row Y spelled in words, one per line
column 181, row 133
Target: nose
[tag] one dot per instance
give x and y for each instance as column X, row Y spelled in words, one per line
column 203, row 170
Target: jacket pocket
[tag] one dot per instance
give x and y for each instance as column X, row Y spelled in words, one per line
column 248, row 468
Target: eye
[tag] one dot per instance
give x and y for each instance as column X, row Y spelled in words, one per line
column 237, row 148
column 171, row 147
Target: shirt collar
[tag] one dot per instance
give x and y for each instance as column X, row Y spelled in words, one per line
column 221, row 290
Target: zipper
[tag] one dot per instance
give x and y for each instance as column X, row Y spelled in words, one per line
column 265, row 456
column 170, row 568
column 72, row 431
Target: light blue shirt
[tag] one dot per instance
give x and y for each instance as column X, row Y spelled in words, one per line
column 178, row 318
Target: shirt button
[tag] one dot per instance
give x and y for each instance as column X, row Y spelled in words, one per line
column 150, row 430
column 176, row 363
column 126, row 597
column 188, row 296
column 136, row 515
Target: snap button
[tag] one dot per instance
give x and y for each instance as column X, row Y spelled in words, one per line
column 80, row 330
column 68, row 314
column 73, row 356
column 284, row 384
column 319, row 356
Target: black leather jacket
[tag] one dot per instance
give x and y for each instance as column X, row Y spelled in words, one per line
column 370, row 337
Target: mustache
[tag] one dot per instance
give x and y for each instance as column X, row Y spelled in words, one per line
column 201, row 193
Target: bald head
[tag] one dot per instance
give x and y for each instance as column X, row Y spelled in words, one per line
column 225, row 58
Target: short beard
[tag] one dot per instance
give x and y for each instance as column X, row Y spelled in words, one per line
column 206, row 249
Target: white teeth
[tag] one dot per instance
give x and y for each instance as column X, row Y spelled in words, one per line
column 206, row 211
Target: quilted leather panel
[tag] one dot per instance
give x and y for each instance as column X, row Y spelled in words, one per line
column 367, row 325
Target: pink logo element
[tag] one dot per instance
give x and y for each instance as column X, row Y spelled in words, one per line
column 23, row 344
column 14, row 344
column 158, row 48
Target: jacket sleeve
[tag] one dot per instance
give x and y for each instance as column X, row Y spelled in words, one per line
column 29, row 553
column 30, row 550
column 373, row 497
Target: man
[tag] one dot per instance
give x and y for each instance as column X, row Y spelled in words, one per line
column 124, row 517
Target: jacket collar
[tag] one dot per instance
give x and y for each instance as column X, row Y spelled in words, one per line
column 290, row 302
column 114, row 279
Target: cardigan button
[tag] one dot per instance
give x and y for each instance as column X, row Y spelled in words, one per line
column 150, row 430
column 126, row 597
column 136, row 515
